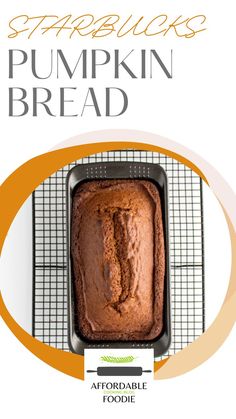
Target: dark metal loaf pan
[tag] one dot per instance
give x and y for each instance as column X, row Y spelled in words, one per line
column 119, row 170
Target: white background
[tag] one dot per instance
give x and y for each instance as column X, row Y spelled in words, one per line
column 196, row 108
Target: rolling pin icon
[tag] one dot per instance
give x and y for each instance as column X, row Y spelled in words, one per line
column 119, row 371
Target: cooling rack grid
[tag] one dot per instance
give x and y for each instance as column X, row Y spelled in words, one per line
column 186, row 240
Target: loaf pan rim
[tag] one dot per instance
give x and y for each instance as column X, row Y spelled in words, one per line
column 162, row 343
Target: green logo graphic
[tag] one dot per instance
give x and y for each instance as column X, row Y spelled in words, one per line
column 118, row 359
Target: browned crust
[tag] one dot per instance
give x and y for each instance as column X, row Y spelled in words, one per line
column 82, row 324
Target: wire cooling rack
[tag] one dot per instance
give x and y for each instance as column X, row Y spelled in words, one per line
column 186, row 241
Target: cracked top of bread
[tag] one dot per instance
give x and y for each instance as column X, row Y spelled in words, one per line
column 118, row 260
